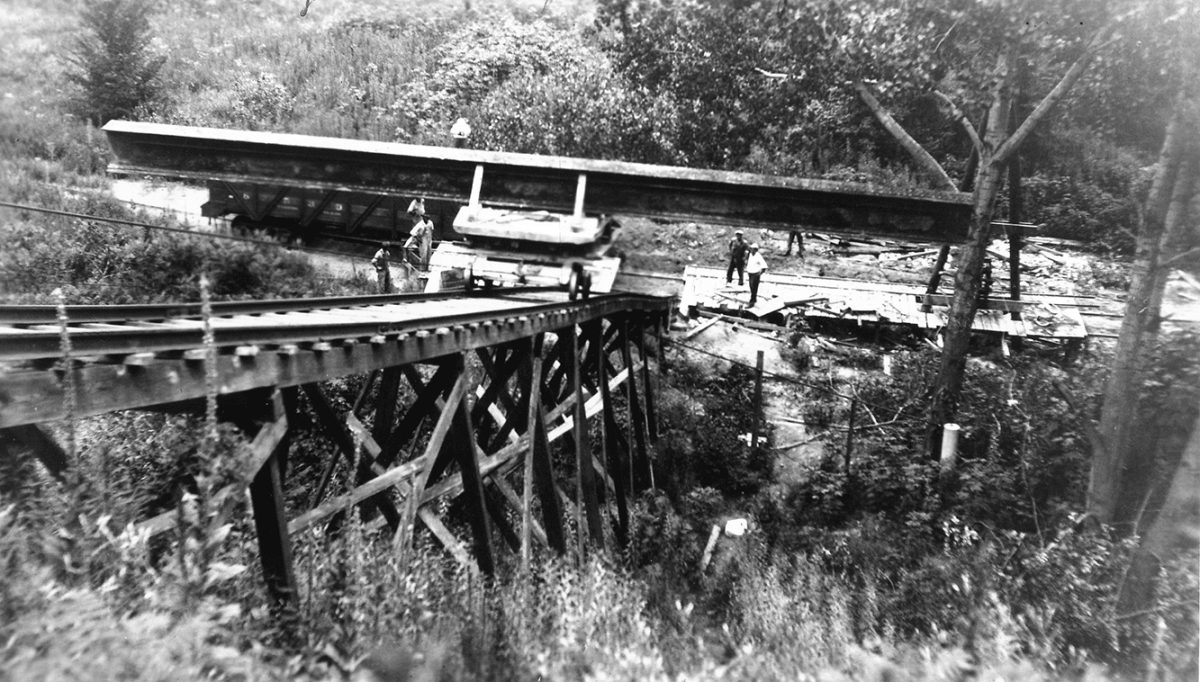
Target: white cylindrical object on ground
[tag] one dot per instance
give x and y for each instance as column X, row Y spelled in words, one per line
column 949, row 446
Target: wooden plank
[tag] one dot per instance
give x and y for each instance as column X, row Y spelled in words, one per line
column 35, row 439
column 268, row 439
column 497, row 389
column 425, row 404
column 702, row 326
column 447, row 538
column 392, row 477
column 267, row 500
column 275, row 550
column 266, row 442
column 586, row 478
column 447, row 487
column 452, row 485
column 643, row 476
column 647, row 383
column 385, row 406
column 338, row 431
column 433, row 448
column 515, row 501
column 618, row 462
column 460, row 441
column 539, row 468
column 495, row 504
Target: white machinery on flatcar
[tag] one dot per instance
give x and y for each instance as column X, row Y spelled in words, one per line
column 507, row 247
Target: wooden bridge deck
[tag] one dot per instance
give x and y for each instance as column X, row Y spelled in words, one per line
column 1042, row 315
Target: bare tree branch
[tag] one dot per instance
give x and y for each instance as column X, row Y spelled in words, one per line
column 1014, row 142
column 1181, row 258
column 914, row 148
column 959, row 116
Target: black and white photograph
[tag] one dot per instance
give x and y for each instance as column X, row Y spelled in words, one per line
column 600, row 340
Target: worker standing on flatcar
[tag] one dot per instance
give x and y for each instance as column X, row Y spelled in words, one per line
column 755, row 267
column 425, row 245
column 737, row 257
column 416, row 209
column 381, row 261
column 412, row 245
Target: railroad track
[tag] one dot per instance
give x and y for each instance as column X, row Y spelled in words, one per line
column 136, row 333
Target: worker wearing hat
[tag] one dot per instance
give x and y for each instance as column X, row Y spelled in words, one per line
column 756, row 265
column 383, row 269
column 738, row 248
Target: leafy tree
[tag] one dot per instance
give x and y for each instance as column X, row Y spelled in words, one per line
column 1021, row 33
column 976, row 57
column 112, row 63
column 583, row 110
column 755, row 79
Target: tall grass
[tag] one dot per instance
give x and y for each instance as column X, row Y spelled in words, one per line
column 338, row 75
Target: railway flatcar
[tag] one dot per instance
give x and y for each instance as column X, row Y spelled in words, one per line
column 528, row 212
column 490, row 246
column 329, row 218
column 510, row 247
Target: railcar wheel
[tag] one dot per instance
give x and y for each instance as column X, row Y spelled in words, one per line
column 573, row 284
column 241, row 226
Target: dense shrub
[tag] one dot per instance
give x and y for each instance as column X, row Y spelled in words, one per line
column 581, row 108
column 1021, row 458
column 1085, row 189
column 1170, row 394
column 703, row 417
column 262, row 102
column 481, row 56
column 99, row 263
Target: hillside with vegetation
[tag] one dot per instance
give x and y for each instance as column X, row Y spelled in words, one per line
column 875, row 567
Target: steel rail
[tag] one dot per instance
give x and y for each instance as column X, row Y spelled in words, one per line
column 35, row 391
column 44, row 342
column 150, row 312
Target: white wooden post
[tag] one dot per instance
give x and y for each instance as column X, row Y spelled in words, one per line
column 949, row 448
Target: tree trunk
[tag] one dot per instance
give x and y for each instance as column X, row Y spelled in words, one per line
column 1180, row 216
column 1170, row 526
column 1181, row 504
column 997, row 149
column 970, row 259
column 963, row 306
column 1116, row 454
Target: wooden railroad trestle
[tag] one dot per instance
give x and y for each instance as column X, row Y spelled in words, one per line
column 490, row 412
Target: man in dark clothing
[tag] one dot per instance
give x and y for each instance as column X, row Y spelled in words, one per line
column 383, row 271
column 798, row 237
column 738, row 248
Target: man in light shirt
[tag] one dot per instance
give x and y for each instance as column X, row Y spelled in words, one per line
column 755, row 267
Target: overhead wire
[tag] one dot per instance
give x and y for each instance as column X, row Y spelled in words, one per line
column 179, row 230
